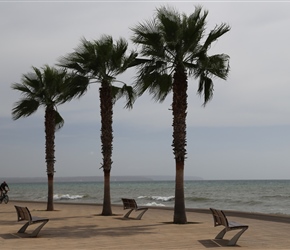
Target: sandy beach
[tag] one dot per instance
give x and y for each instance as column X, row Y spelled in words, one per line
column 80, row 226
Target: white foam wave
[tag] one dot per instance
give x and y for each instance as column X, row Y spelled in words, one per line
column 163, row 198
column 67, row 197
column 158, row 198
column 155, row 204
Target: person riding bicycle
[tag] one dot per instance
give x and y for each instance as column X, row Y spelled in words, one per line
column 3, row 187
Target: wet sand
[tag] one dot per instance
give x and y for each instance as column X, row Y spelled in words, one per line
column 80, row 226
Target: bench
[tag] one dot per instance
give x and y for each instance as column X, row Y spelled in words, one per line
column 220, row 219
column 132, row 205
column 23, row 214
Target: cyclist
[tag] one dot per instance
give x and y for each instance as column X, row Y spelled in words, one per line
column 3, row 187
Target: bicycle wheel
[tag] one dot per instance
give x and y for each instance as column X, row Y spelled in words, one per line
column 6, row 199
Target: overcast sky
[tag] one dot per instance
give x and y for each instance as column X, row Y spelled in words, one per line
column 243, row 133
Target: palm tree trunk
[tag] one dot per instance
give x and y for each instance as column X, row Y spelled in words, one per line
column 107, row 195
column 50, row 192
column 179, row 107
column 179, row 205
column 107, row 142
column 49, row 153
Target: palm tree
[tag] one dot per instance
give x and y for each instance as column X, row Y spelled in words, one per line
column 102, row 61
column 45, row 89
column 173, row 47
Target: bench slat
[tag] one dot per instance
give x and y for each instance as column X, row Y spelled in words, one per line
column 233, row 224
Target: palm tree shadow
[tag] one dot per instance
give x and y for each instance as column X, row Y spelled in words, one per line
column 89, row 230
column 189, row 222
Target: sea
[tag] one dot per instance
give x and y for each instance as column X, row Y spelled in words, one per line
column 261, row 196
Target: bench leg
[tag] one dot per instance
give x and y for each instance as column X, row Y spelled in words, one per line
column 127, row 214
column 23, row 228
column 221, row 234
column 37, row 230
column 141, row 214
column 234, row 240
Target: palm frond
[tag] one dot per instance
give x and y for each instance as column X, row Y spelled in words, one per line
column 77, row 61
column 214, row 34
column 150, row 39
column 24, row 108
column 170, row 26
column 37, row 76
column 138, row 62
column 24, row 90
column 126, row 91
column 59, row 121
column 75, row 86
column 219, row 65
column 193, row 31
column 129, row 61
column 158, row 85
column 205, row 88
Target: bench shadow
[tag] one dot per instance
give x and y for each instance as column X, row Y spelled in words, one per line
column 209, row 243
column 9, row 236
column 215, row 243
column 107, row 215
column 129, row 218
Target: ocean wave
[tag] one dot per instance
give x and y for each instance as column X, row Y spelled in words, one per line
column 163, row 198
column 158, row 198
column 275, row 196
column 154, row 204
column 197, row 199
column 249, row 202
column 67, row 197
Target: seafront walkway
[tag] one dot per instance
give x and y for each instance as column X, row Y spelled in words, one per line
column 79, row 226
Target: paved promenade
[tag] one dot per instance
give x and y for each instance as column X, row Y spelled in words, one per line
column 78, row 226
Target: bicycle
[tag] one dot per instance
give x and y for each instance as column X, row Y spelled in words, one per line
column 4, row 197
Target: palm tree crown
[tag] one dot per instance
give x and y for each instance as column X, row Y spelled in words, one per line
column 101, row 61
column 174, row 46
column 38, row 88
column 172, row 41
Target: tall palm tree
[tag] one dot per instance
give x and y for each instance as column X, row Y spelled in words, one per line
column 102, row 61
column 173, row 47
column 44, row 87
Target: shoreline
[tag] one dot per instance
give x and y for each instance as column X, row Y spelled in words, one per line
column 234, row 213
column 252, row 197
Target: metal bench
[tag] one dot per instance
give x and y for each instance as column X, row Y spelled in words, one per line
column 132, row 205
column 220, row 219
column 23, row 214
